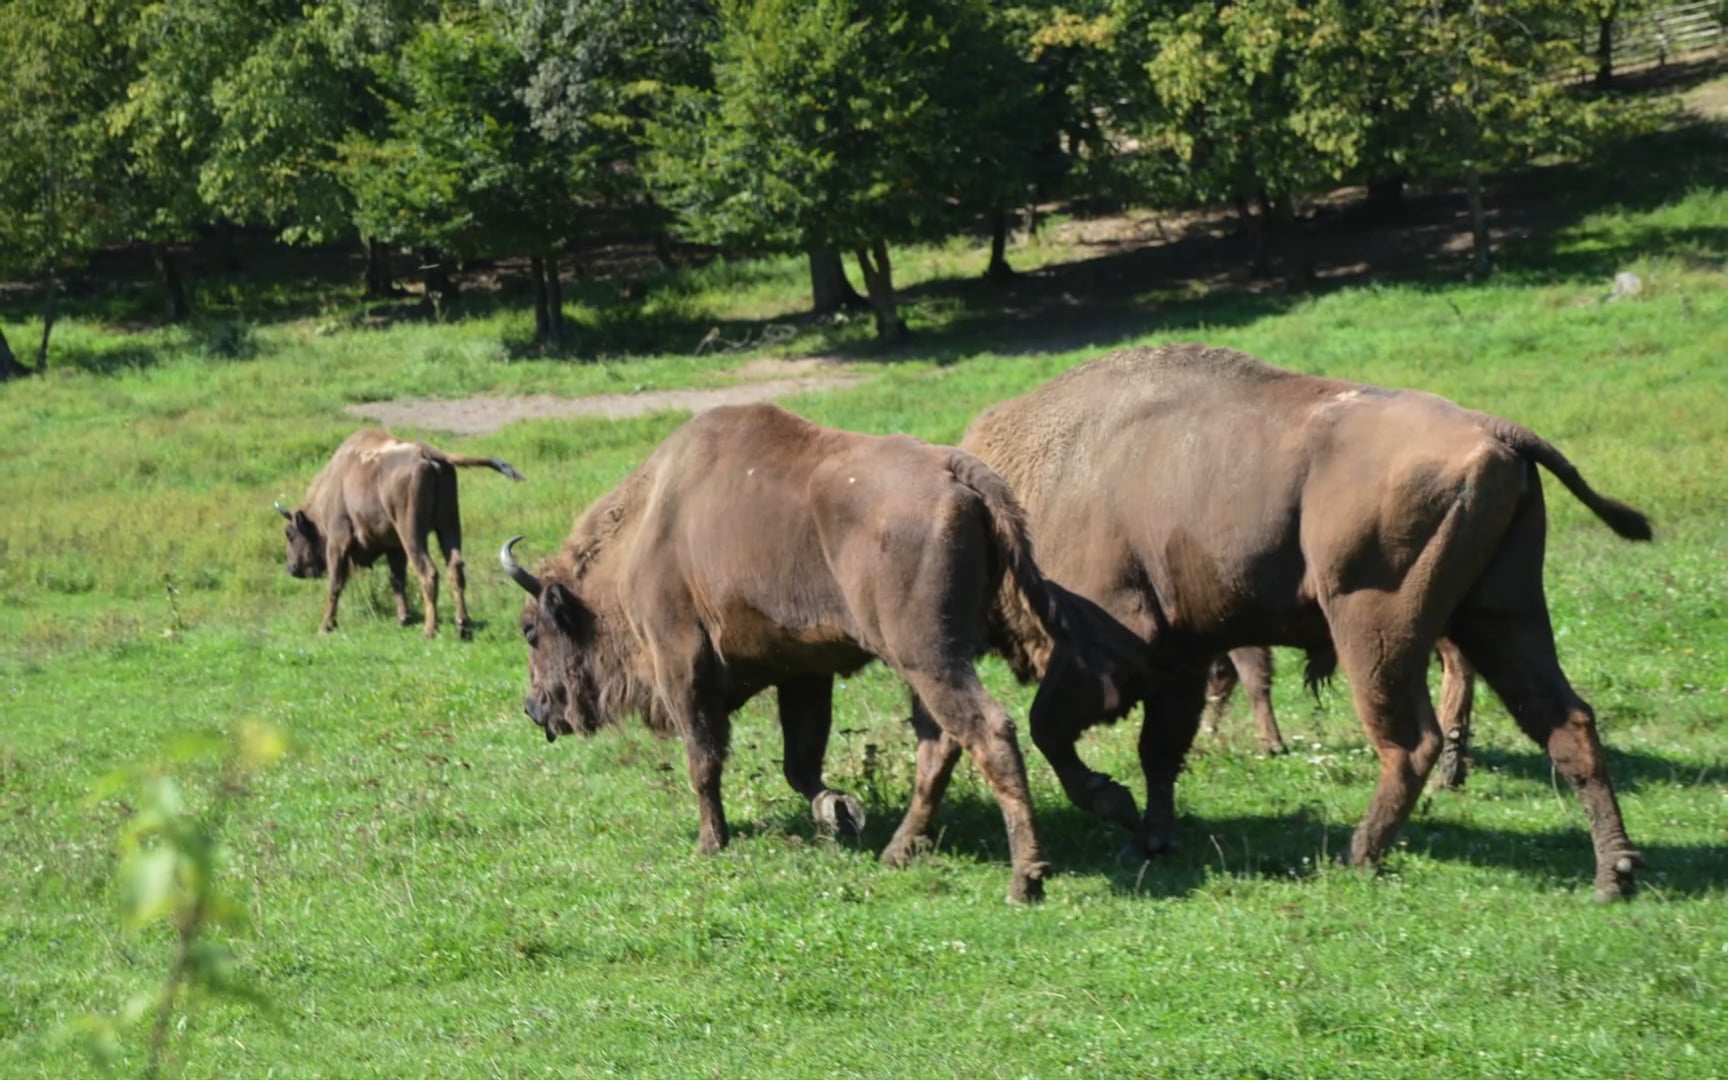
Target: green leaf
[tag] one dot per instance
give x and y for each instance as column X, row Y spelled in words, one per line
column 147, row 880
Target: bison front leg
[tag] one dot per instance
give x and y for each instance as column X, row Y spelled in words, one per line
column 336, row 579
column 806, row 718
column 1066, row 705
column 705, row 741
column 1166, row 735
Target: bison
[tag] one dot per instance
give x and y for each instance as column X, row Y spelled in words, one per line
column 1251, row 666
column 380, row 495
column 753, row 549
column 1207, row 501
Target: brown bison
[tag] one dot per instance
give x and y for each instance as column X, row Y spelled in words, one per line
column 380, row 495
column 1251, row 666
column 754, row 549
column 1209, row 501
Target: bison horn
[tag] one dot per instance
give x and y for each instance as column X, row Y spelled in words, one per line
column 280, row 509
column 514, row 569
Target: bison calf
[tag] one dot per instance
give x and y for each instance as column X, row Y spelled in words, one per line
column 753, row 550
column 380, row 495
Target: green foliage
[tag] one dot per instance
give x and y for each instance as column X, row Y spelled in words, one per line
column 830, row 124
column 1278, row 96
column 282, row 111
column 178, row 50
column 62, row 67
column 458, row 167
column 170, row 862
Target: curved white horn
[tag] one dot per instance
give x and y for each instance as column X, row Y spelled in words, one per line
column 514, row 569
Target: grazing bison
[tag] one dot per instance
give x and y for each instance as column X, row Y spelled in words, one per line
column 1251, row 666
column 1209, row 501
column 753, row 549
column 380, row 495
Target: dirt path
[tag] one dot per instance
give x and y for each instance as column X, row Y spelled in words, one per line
column 765, row 380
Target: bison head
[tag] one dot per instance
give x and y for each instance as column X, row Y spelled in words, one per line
column 305, row 544
column 567, row 676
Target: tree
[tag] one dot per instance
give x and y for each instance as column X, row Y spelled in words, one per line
column 281, row 112
column 165, row 121
column 459, row 170
column 1253, row 101
column 596, row 71
column 56, row 157
column 830, row 125
column 1020, row 73
column 1492, row 75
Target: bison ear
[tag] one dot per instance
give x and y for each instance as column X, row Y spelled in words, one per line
column 303, row 523
column 561, row 608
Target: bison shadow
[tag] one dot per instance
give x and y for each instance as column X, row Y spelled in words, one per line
column 1291, row 846
column 1632, row 770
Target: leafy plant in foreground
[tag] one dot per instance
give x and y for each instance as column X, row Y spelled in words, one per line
column 169, row 864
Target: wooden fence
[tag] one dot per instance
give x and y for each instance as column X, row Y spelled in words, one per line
column 1656, row 36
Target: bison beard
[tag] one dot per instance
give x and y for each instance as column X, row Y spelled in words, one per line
column 383, row 496
column 753, row 550
column 1208, row 501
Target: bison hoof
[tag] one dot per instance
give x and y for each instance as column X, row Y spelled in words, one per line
column 1619, row 882
column 429, row 633
column 404, row 619
column 465, row 631
column 838, row 812
column 327, row 628
column 1028, row 888
column 1449, row 774
column 1112, row 802
column 1276, row 749
column 899, row 853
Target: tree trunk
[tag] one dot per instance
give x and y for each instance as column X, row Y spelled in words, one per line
column 168, row 276
column 998, row 270
column 10, row 368
column 542, row 321
column 879, row 285
column 554, row 301
column 50, row 298
column 229, row 248
column 1251, row 226
column 440, row 286
column 378, row 285
column 1481, row 255
column 829, row 289
column 1605, row 51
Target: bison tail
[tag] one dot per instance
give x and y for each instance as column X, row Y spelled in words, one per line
column 1623, row 519
column 1115, row 657
column 464, row 461
column 1013, row 544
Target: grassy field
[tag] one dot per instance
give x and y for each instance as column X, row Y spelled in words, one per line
column 434, row 891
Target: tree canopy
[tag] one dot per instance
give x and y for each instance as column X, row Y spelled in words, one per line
column 464, row 129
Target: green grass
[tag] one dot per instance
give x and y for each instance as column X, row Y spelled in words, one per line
column 436, row 892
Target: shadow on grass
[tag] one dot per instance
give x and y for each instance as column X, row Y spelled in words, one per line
column 1277, row 847
column 1632, row 770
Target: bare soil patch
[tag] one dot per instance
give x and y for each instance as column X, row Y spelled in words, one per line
column 766, row 379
